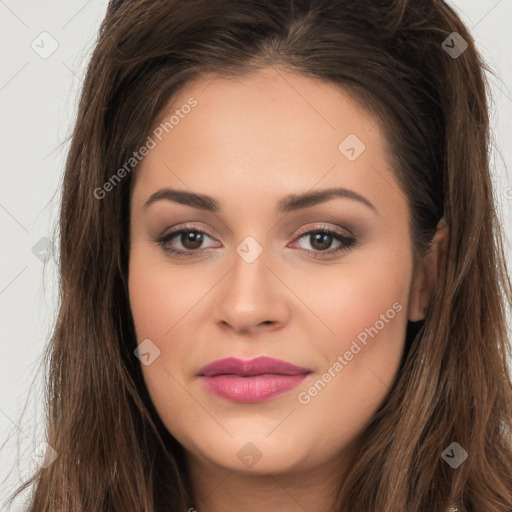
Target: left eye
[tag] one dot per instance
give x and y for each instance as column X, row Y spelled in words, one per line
column 191, row 240
column 321, row 240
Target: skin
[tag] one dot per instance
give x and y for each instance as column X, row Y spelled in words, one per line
column 248, row 143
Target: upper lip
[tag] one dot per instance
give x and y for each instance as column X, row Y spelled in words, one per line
column 258, row 366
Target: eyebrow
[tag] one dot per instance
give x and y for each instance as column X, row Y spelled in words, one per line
column 290, row 203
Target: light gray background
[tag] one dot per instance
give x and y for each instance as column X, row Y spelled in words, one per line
column 38, row 95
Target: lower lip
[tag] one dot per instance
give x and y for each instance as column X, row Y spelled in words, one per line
column 251, row 390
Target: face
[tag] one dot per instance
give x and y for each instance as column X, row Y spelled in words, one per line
column 269, row 267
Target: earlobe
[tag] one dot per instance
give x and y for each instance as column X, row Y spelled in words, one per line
column 426, row 274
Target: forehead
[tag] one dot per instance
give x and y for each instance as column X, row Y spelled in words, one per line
column 267, row 102
column 271, row 130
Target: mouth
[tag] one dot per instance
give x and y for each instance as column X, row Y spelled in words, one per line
column 253, row 380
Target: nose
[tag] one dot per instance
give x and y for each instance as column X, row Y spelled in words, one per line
column 251, row 298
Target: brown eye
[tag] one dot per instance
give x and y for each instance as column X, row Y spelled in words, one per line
column 191, row 239
column 321, row 240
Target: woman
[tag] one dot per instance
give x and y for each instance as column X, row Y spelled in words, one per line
column 283, row 283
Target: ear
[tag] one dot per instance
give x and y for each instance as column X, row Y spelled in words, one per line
column 425, row 274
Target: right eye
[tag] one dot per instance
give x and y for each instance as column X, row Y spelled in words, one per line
column 190, row 240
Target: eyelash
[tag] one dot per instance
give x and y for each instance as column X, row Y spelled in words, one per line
column 347, row 242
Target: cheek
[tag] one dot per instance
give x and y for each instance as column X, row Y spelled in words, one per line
column 366, row 310
column 159, row 301
column 363, row 300
column 167, row 305
column 159, row 297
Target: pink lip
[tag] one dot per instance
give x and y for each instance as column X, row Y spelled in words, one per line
column 251, row 381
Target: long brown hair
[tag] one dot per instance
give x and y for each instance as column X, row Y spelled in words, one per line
column 397, row 58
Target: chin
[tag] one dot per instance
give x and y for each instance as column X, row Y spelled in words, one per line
column 254, row 454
